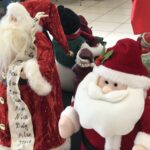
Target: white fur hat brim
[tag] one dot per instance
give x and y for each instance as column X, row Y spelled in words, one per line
column 135, row 81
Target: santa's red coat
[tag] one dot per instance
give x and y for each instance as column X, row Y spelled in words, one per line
column 127, row 143
column 45, row 110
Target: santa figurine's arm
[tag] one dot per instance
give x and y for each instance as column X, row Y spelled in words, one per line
column 69, row 122
column 142, row 140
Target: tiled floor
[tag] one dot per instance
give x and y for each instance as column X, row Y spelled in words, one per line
column 108, row 18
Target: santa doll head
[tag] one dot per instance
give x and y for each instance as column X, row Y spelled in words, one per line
column 111, row 99
column 15, row 29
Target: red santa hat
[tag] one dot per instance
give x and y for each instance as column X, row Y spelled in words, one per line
column 125, row 65
column 51, row 23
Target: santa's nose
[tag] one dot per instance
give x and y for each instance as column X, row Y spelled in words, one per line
column 106, row 89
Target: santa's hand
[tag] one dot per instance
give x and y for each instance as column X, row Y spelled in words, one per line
column 139, row 147
column 66, row 127
column 40, row 15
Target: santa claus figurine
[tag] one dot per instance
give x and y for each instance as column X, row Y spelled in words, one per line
column 30, row 92
column 111, row 103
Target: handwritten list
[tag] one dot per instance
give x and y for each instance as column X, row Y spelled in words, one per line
column 20, row 121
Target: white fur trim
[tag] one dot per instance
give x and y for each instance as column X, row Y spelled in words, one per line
column 96, row 51
column 4, row 148
column 36, row 81
column 113, row 143
column 12, row 7
column 71, row 113
column 66, row 76
column 135, row 81
column 143, row 139
column 65, row 146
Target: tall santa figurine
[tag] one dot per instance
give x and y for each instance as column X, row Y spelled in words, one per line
column 30, row 92
column 111, row 103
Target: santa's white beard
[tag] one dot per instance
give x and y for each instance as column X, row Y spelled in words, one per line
column 14, row 40
column 113, row 113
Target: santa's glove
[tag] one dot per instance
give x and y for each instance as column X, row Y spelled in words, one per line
column 68, row 123
column 85, row 58
column 139, row 147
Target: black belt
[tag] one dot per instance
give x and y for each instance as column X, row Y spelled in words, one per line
column 86, row 143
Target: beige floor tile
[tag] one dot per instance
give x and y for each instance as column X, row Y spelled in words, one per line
column 113, row 18
column 104, row 26
column 100, row 33
column 114, row 37
column 125, row 28
column 120, row 11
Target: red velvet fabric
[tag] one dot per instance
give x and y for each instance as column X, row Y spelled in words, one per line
column 126, row 58
column 140, row 16
column 45, row 110
column 51, row 23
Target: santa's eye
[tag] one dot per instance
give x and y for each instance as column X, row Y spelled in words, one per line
column 106, row 82
column 115, row 84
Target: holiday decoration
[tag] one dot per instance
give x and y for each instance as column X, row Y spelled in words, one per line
column 140, row 16
column 30, row 91
column 112, row 103
column 77, row 39
column 84, row 65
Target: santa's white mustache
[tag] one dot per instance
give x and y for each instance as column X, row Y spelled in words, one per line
column 95, row 92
